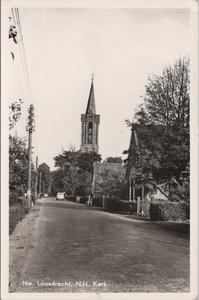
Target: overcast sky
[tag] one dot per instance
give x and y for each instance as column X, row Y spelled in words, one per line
column 121, row 46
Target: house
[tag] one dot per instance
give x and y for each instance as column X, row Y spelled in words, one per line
column 134, row 170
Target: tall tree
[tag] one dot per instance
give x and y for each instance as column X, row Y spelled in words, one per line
column 166, row 99
column 45, row 170
column 162, row 122
column 76, row 170
column 57, row 181
column 112, row 184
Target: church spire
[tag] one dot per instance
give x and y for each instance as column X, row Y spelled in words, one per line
column 91, row 101
column 90, row 125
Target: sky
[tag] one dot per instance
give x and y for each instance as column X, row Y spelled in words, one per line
column 122, row 47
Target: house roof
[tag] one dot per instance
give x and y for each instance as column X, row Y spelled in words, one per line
column 133, row 148
column 100, row 168
column 133, row 151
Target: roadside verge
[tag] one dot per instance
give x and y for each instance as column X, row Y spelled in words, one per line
column 20, row 242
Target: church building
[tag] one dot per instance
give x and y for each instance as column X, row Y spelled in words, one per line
column 90, row 125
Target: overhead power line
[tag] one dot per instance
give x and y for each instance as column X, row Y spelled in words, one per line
column 20, row 43
column 24, row 80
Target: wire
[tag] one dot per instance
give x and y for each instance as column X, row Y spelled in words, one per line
column 23, row 51
column 22, row 54
column 19, row 79
column 20, row 43
column 22, row 62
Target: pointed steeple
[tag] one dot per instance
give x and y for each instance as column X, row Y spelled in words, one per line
column 91, row 101
column 90, row 125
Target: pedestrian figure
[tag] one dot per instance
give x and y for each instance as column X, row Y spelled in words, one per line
column 89, row 201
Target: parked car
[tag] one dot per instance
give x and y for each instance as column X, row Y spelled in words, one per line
column 45, row 195
column 60, row 196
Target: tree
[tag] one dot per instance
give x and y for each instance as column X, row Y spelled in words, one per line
column 18, row 169
column 75, row 171
column 14, row 113
column 70, row 178
column 57, row 181
column 12, row 32
column 18, row 161
column 84, row 183
column 45, row 170
column 161, row 123
column 112, row 184
column 166, row 99
column 65, row 157
column 85, row 161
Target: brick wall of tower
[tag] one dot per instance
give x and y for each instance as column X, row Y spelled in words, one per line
column 85, row 119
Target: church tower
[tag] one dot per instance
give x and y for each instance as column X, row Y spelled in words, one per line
column 90, row 125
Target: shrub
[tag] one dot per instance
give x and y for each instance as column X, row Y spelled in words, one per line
column 117, row 205
column 16, row 214
column 23, row 202
column 168, row 211
column 13, row 198
column 81, row 190
column 186, row 207
column 180, row 193
column 133, row 207
column 97, row 201
column 83, row 200
column 71, row 198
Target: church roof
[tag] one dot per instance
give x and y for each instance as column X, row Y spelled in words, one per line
column 91, row 101
column 100, row 168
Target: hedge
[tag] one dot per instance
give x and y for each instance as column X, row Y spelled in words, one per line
column 71, row 198
column 97, row 201
column 186, row 207
column 120, row 206
column 169, row 211
column 24, row 203
column 16, row 213
column 83, row 200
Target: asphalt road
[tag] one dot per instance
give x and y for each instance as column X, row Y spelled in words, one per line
column 82, row 249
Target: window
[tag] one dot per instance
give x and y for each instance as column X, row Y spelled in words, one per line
column 90, row 132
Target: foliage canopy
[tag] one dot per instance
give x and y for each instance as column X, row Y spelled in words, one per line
column 74, row 173
column 162, row 124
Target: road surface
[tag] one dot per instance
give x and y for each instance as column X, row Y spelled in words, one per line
column 82, row 249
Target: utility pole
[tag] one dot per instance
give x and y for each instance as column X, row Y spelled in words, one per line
column 36, row 178
column 30, row 128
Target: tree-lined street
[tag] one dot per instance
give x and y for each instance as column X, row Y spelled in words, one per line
column 87, row 249
column 99, row 169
